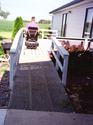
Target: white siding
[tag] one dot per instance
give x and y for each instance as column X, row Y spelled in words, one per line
column 75, row 19
column 56, row 22
column 75, row 22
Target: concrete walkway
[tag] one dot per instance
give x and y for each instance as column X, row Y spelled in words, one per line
column 24, row 117
column 2, row 116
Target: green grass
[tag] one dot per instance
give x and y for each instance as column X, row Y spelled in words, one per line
column 4, row 68
column 44, row 26
column 6, row 35
column 6, row 25
column 6, row 28
column 1, row 50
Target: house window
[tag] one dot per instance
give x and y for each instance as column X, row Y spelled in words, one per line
column 88, row 27
column 64, row 25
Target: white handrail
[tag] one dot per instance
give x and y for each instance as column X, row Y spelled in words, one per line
column 47, row 32
column 57, row 51
column 87, row 42
column 15, row 54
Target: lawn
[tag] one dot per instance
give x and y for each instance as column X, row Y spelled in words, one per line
column 6, row 27
column 6, row 35
column 44, row 26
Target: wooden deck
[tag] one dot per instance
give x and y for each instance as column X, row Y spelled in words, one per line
column 36, row 84
column 36, row 55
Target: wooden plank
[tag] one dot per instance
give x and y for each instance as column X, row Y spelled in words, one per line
column 35, row 55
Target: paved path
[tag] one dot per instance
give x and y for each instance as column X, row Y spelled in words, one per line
column 37, row 85
column 24, row 117
column 2, row 116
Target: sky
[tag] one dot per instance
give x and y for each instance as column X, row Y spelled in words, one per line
column 28, row 8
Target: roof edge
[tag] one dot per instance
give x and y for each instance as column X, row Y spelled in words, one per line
column 66, row 5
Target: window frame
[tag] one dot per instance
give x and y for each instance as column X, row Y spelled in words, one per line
column 90, row 34
column 64, row 26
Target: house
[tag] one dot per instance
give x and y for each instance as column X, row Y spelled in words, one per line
column 75, row 19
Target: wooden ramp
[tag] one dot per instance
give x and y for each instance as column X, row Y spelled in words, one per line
column 37, row 85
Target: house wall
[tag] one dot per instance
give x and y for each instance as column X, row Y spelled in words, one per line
column 56, row 22
column 75, row 19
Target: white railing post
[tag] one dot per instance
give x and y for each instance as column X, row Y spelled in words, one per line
column 86, row 44
column 61, row 52
column 42, row 34
column 46, row 32
column 15, row 55
column 58, row 55
column 90, row 46
column 12, row 62
column 65, row 67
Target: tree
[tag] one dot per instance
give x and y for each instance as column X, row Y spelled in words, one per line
column 17, row 25
column 1, row 50
column 3, row 13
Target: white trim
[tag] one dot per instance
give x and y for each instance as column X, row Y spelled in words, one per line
column 2, row 116
column 15, row 55
column 56, row 47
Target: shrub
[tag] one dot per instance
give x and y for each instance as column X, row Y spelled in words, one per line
column 1, row 50
column 1, row 38
column 17, row 25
